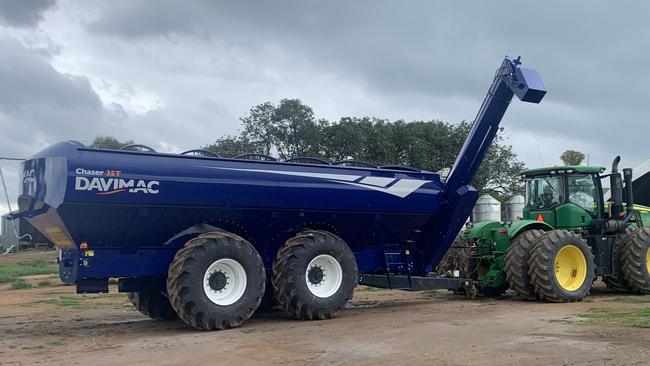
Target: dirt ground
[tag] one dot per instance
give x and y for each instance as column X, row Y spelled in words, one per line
column 52, row 325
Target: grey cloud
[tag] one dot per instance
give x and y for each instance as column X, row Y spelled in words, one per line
column 24, row 13
column 420, row 47
column 29, row 80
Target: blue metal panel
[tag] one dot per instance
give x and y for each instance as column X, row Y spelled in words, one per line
column 133, row 210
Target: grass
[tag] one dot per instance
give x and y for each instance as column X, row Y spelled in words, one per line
column 372, row 289
column 9, row 272
column 19, row 284
column 64, row 301
column 75, row 301
column 641, row 299
column 44, row 283
column 621, row 317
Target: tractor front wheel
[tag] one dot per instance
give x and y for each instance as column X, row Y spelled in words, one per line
column 561, row 267
column 635, row 260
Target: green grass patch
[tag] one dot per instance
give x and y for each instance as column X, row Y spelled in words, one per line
column 621, row 317
column 44, row 284
column 20, row 284
column 12, row 271
column 641, row 299
column 372, row 289
column 64, row 301
column 82, row 300
column 435, row 294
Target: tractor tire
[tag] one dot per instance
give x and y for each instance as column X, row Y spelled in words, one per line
column 561, row 266
column 152, row 303
column 314, row 275
column 216, row 281
column 635, row 260
column 516, row 264
column 617, row 281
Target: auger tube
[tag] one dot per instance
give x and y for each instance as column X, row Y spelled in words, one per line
column 511, row 78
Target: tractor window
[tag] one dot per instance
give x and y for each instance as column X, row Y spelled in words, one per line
column 583, row 192
column 544, row 192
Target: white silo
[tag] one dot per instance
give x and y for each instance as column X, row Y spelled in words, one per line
column 487, row 208
column 515, row 208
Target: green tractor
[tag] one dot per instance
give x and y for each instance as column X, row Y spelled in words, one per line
column 568, row 236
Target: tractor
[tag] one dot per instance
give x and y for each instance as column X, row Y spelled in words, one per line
column 568, row 236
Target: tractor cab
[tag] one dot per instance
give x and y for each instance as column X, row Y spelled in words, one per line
column 568, row 197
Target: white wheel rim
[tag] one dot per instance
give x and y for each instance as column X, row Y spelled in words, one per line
column 328, row 282
column 224, row 282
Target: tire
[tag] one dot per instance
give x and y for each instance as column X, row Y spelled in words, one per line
column 617, row 281
column 516, row 264
column 314, row 275
column 561, row 266
column 635, row 260
column 153, row 303
column 201, row 286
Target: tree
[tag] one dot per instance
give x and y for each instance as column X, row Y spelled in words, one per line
column 260, row 126
column 109, row 142
column 572, row 157
column 297, row 132
column 290, row 130
column 231, row 146
column 499, row 174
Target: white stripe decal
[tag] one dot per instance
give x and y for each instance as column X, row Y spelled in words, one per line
column 344, row 177
column 377, row 181
column 402, row 188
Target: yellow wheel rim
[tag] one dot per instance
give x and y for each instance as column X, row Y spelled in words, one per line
column 571, row 268
column 647, row 260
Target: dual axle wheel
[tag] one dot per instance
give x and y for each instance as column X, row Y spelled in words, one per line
column 218, row 280
column 558, row 265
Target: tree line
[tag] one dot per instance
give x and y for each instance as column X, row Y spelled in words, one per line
column 290, row 129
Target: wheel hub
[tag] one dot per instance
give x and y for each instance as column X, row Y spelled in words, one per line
column 570, row 268
column 315, row 275
column 224, row 281
column 218, row 281
column 323, row 276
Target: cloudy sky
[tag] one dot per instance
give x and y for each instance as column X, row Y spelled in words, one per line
column 178, row 74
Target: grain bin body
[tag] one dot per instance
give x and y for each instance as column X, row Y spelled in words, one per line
column 125, row 214
column 133, row 210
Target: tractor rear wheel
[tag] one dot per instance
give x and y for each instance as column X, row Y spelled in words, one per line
column 314, row 275
column 216, row 281
column 617, row 281
column 516, row 264
column 152, row 303
column 635, row 260
column 561, row 266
